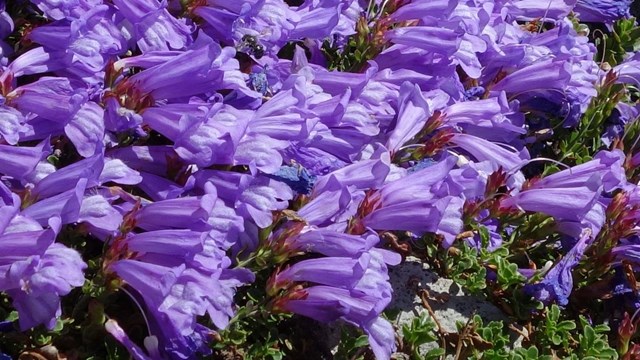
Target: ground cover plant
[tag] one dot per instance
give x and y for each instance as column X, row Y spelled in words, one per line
column 220, row 179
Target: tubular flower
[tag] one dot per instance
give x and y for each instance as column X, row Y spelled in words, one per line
column 194, row 140
column 558, row 282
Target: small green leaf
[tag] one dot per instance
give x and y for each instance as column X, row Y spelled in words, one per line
column 434, row 353
column 361, row 341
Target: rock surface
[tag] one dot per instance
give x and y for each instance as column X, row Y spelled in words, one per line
column 449, row 303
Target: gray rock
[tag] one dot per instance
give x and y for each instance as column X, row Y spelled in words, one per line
column 449, row 302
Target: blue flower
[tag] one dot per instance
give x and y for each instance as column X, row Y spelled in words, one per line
column 297, row 177
column 474, row 93
column 558, row 282
column 605, row 11
column 422, row 164
column 259, row 82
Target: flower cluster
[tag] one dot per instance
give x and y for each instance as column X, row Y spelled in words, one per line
column 204, row 142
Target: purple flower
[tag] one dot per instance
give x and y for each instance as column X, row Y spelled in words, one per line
column 317, row 21
column 36, row 283
column 6, row 28
column 153, row 27
column 355, row 290
column 329, row 242
column 330, row 271
column 528, row 10
column 606, row 165
column 628, row 72
column 333, row 206
column 189, row 134
column 65, row 205
column 35, row 61
column 621, row 115
column 153, row 284
column 35, row 272
column 324, row 303
column 207, row 68
column 179, row 268
column 188, row 212
column 420, row 9
column 541, row 75
column 175, row 296
column 570, row 203
column 90, row 40
column 266, row 24
column 103, row 219
column 254, row 198
column 327, row 19
column 214, row 140
column 484, row 150
column 113, row 328
column 218, row 20
column 491, row 119
column 50, row 98
column 86, row 129
column 413, row 203
column 361, row 175
column 434, row 39
column 574, row 196
column 58, row 10
column 18, row 161
column 12, row 125
column 413, row 112
column 62, row 193
column 605, row 11
column 285, row 115
column 558, row 282
column 152, row 159
column 66, row 178
column 495, row 238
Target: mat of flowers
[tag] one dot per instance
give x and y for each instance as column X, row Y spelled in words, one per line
column 186, row 179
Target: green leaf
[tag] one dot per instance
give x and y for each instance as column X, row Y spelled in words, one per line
column 420, row 331
column 13, row 316
column 42, row 339
column 59, row 325
column 435, row 353
column 361, row 341
column 566, row 325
